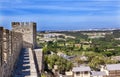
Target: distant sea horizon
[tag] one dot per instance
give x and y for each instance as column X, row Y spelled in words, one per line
column 78, row 29
column 42, row 27
column 90, row 29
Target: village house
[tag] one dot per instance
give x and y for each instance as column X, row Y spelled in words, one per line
column 81, row 71
column 112, row 70
column 98, row 74
column 116, row 58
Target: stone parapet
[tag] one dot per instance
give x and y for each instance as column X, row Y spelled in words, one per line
column 33, row 71
column 23, row 35
column 10, row 46
column 38, row 54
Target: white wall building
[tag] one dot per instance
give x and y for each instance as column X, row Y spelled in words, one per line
column 81, row 71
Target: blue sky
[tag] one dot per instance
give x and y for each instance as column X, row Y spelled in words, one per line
column 62, row 14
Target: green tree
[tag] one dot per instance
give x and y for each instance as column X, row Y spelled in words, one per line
column 96, row 62
column 45, row 50
column 78, row 61
column 62, row 63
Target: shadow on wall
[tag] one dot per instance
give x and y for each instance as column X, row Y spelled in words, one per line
column 23, row 65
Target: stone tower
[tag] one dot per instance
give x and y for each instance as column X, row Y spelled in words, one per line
column 28, row 30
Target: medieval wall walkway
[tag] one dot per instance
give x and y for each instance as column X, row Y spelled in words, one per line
column 25, row 66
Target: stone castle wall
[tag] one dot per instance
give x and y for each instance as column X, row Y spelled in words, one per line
column 10, row 46
column 28, row 30
column 23, row 35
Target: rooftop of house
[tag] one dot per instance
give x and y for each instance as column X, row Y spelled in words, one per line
column 113, row 66
column 98, row 73
column 81, row 68
column 116, row 58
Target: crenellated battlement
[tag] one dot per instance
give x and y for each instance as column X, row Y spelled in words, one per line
column 10, row 46
column 28, row 29
column 23, row 35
